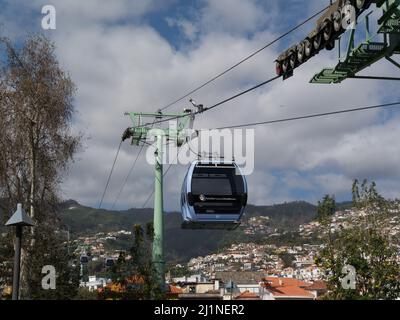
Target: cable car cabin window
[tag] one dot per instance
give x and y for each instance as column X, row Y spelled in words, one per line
column 217, row 190
column 217, row 181
column 211, row 184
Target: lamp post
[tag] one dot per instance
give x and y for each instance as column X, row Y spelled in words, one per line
column 19, row 220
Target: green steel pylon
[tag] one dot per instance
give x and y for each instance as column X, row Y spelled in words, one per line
column 158, row 242
column 138, row 134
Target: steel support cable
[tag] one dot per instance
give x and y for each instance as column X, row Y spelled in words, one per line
column 386, row 105
column 287, row 120
column 129, row 174
column 127, row 178
column 219, row 103
column 241, row 93
column 244, row 60
column 109, row 176
column 228, row 70
column 279, row 120
column 206, row 109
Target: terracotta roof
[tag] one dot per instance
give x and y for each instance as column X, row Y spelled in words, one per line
column 287, row 287
column 175, row 290
column 317, row 285
column 247, row 295
column 290, row 291
column 279, row 281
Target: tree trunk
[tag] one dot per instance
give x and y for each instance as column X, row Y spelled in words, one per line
column 25, row 290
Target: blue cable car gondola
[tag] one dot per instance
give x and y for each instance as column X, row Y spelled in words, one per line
column 109, row 262
column 84, row 259
column 214, row 195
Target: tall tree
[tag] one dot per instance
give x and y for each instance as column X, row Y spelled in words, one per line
column 37, row 143
column 142, row 262
column 136, row 276
column 326, row 208
column 365, row 247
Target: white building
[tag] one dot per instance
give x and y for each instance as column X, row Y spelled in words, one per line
column 94, row 283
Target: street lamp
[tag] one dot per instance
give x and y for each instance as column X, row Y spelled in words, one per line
column 19, row 219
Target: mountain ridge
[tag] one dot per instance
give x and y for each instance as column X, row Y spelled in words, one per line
column 181, row 244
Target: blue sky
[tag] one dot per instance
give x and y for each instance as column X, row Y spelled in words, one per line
column 140, row 55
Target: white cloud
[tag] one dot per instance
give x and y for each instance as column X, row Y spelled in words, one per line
column 188, row 28
column 131, row 67
column 370, row 152
column 334, row 184
column 233, row 16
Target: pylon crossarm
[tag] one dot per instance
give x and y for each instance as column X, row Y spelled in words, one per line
column 369, row 51
column 175, row 131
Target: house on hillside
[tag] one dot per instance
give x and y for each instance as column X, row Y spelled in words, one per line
column 193, row 279
column 207, row 290
column 317, row 288
column 278, row 288
column 233, row 284
column 94, row 283
column 247, row 295
column 199, row 287
column 173, row 292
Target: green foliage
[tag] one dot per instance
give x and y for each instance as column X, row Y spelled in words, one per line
column 121, row 270
column 142, row 261
column 326, row 208
column 177, row 272
column 37, row 145
column 95, row 267
column 287, row 259
column 366, row 247
column 85, row 294
column 6, row 256
column 51, row 250
column 137, row 275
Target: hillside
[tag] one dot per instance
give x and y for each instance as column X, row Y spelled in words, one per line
column 182, row 244
column 288, row 215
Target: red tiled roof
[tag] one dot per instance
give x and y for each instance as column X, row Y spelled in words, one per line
column 290, row 291
column 247, row 295
column 287, row 287
column 317, row 285
column 276, row 281
column 175, row 290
